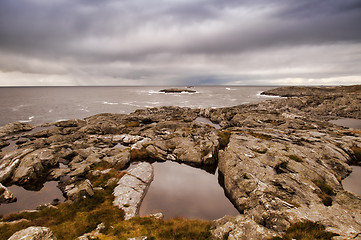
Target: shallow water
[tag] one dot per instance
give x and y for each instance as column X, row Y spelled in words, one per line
column 347, row 122
column 28, row 200
column 353, row 182
column 181, row 190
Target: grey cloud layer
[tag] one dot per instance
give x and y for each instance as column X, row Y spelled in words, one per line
column 142, row 34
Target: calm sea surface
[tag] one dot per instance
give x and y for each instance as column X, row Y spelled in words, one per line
column 49, row 104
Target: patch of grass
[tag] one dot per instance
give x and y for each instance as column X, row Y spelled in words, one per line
column 70, row 220
column 295, row 158
column 281, row 167
column 326, row 192
column 139, row 154
column 223, row 138
column 177, row 228
column 306, row 231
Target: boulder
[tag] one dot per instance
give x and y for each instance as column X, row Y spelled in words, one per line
column 132, row 187
column 34, row 166
column 5, row 195
column 79, row 190
column 34, row 233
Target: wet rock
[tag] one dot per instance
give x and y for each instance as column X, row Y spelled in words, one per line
column 34, row 233
column 79, row 190
column 131, row 189
column 5, row 195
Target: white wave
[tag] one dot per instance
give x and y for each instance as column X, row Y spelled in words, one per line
column 110, row 103
column 266, row 96
column 51, row 110
column 154, row 92
column 131, row 104
column 28, row 120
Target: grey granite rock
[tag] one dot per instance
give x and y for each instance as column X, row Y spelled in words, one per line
column 131, row 189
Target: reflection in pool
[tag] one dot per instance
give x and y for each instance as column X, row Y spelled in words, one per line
column 352, row 183
column 28, row 200
column 182, row 191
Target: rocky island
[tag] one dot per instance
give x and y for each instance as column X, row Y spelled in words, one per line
column 280, row 162
column 177, row 90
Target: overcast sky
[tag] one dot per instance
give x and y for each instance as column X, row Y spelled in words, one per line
column 180, row 42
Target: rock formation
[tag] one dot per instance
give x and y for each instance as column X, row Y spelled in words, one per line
column 131, row 189
column 280, row 161
column 177, row 90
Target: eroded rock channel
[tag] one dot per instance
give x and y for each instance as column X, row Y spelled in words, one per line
column 279, row 161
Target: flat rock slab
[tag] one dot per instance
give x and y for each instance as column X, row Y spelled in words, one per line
column 131, row 189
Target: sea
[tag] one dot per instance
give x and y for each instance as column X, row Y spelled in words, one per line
column 36, row 105
column 177, row 189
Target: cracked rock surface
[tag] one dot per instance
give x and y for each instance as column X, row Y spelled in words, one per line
column 131, row 189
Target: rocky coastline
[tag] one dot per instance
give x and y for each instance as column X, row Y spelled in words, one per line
column 280, row 161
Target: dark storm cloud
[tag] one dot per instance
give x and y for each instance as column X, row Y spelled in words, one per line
column 140, row 35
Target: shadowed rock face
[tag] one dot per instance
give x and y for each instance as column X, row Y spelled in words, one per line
column 279, row 161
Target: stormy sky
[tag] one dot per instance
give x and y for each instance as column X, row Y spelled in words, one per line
column 180, row 42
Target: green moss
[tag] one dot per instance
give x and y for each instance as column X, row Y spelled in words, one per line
column 223, row 138
column 295, row 158
column 306, row 231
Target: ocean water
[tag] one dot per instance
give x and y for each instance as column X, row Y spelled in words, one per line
column 177, row 190
column 37, row 105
